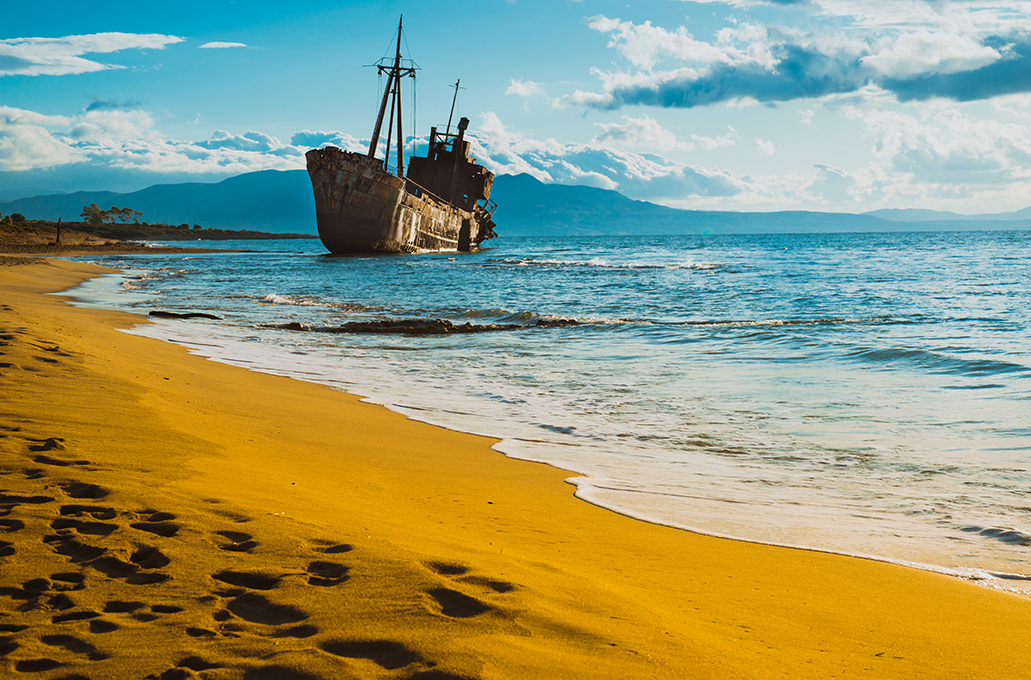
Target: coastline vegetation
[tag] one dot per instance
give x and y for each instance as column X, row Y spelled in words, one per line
column 123, row 224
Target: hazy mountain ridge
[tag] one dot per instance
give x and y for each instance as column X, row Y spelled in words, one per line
column 281, row 201
column 918, row 215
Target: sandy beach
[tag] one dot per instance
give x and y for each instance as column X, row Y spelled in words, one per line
column 166, row 516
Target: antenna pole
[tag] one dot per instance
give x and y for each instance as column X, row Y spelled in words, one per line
column 449, row 116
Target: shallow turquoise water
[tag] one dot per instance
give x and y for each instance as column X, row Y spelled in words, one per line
column 861, row 393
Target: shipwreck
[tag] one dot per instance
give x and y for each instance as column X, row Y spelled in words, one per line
column 442, row 203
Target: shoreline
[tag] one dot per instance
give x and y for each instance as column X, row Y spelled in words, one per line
column 462, row 561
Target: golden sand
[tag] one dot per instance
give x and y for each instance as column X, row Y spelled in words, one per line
column 165, row 516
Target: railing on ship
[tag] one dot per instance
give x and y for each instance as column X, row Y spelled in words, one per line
column 487, row 204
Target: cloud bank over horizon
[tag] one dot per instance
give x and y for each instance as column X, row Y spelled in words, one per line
column 914, row 57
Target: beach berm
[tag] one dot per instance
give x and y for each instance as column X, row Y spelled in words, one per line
column 167, row 516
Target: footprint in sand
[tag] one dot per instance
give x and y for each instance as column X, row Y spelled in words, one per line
column 148, row 557
column 90, row 528
column 248, row 579
column 163, row 529
column 60, row 603
column 57, row 462
column 136, row 610
column 37, row 665
column 65, row 581
column 9, row 526
column 130, row 573
column 15, row 499
column 158, row 523
column 101, row 626
column 7, row 645
column 322, row 573
column 258, row 609
column 454, row 569
column 300, row 632
column 241, row 542
column 75, row 616
column 73, row 549
column 386, row 654
column 330, row 548
column 74, row 645
column 94, row 511
column 457, row 605
column 122, row 607
column 82, row 490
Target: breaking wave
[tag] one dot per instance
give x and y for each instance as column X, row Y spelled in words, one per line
column 601, row 263
column 306, row 301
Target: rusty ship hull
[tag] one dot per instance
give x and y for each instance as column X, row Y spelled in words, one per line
column 362, row 208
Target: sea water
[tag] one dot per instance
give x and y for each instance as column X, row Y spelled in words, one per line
column 867, row 394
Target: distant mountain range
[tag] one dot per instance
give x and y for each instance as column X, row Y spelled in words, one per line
column 281, row 201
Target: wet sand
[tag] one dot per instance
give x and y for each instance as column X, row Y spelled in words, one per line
column 165, row 516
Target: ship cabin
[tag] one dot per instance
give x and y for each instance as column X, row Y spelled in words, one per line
column 450, row 173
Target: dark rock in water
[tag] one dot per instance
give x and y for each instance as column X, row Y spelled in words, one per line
column 417, row 327
column 188, row 315
column 556, row 323
column 424, row 326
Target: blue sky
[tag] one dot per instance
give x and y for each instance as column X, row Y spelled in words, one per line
column 837, row 105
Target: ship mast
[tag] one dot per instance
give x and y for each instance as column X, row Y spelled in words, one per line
column 392, row 93
column 453, row 100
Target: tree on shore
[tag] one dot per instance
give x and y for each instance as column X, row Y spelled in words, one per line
column 96, row 216
column 92, row 215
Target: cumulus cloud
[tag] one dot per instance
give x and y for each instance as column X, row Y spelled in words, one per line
column 947, row 147
column 26, row 143
column 65, row 56
column 525, row 88
column 129, row 139
column 598, row 163
column 308, row 139
column 221, row 45
column 911, row 48
column 248, row 141
column 639, row 132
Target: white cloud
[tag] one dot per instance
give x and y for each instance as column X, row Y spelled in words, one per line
column 130, row 140
column 639, row 132
column 711, row 143
column 307, row 139
column 638, row 175
column 915, row 49
column 926, row 52
column 980, row 15
column 64, row 56
column 113, row 125
column 645, row 45
column 765, row 146
column 220, row 45
column 832, row 185
column 26, row 143
column 249, row 141
column 524, row 88
column 947, row 147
